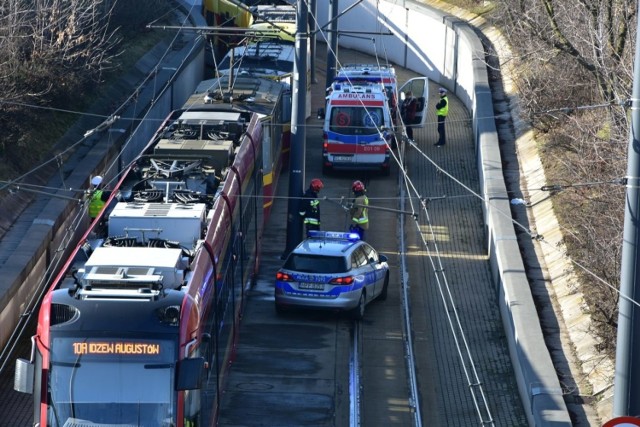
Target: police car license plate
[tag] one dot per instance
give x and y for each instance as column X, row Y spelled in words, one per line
column 342, row 158
column 312, row 286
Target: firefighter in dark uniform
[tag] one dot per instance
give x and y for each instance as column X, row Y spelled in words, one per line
column 310, row 205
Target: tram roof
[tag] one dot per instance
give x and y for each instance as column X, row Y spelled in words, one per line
column 247, row 93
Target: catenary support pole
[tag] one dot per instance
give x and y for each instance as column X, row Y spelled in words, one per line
column 626, row 398
column 298, row 129
column 332, row 36
column 313, row 26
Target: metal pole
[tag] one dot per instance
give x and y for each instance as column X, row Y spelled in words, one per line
column 298, row 130
column 333, row 41
column 626, row 398
column 313, row 26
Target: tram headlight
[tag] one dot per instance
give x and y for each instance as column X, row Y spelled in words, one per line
column 170, row 314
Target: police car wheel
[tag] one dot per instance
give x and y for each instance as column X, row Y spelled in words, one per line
column 385, row 289
column 358, row 312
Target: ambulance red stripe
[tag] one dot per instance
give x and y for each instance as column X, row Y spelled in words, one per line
column 357, row 102
column 372, row 148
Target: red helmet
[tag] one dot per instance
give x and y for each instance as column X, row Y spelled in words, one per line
column 357, row 186
column 316, row 185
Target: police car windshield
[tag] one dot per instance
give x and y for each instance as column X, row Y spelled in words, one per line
column 355, row 120
column 316, row 264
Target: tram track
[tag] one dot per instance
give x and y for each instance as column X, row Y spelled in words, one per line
column 414, row 396
column 354, row 376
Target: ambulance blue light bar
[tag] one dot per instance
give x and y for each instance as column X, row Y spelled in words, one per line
column 358, row 79
column 317, row 234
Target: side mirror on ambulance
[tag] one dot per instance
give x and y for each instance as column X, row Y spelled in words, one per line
column 320, row 113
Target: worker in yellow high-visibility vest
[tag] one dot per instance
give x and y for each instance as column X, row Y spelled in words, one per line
column 358, row 211
column 442, row 110
column 98, row 197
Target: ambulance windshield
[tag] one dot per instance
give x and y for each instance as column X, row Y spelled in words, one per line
column 357, row 120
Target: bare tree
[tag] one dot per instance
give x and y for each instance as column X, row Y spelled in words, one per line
column 53, row 53
column 575, row 75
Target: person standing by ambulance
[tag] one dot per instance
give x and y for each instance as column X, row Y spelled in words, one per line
column 358, row 211
column 442, row 110
column 409, row 108
column 310, row 205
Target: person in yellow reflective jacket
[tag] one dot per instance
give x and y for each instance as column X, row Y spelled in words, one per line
column 98, row 197
column 358, row 212
column 442, row 110
column 310, row 205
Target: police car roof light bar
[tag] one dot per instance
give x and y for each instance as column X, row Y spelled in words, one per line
column 317, row 234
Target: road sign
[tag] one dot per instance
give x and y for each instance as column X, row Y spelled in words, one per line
column 623, row 422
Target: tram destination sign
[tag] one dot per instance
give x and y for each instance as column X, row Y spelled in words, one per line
column 116, row 348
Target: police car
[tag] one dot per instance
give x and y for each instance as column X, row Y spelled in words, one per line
column 332, row 270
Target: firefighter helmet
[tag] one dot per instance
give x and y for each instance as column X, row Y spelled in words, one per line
column 316, row 185
column 357, row 186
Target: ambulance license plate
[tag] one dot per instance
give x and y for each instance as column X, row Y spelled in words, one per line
column 342, row 158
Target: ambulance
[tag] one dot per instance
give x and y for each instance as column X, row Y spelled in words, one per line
column 370, row 74
column 354, row 129
column 359, row 128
